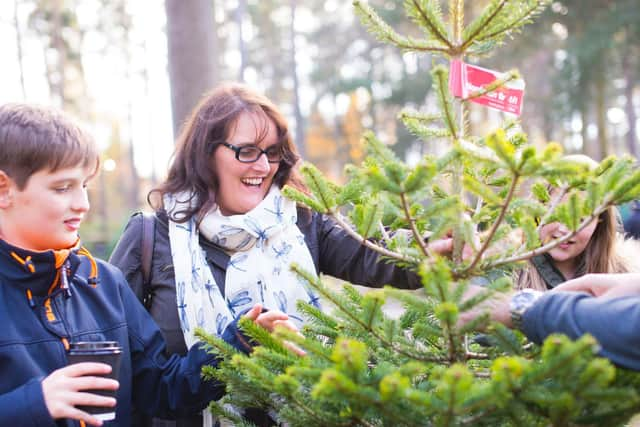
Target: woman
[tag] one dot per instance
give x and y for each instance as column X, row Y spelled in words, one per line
column 594, row 249
column 225, row 235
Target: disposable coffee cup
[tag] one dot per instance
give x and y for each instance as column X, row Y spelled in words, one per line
column 107, row 352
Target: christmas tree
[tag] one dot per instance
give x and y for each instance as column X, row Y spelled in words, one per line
column 491, row 193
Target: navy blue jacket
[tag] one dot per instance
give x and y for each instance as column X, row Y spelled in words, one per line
column 34, row 331
column 614, row 322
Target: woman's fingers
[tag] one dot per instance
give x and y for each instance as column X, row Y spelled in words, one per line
column 254, row 312
column 288, row 324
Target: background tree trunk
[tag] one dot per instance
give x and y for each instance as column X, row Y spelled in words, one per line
column 16, row 24
column 299, row 136
column 632, row 118
column 192, row 54
column 241, row 12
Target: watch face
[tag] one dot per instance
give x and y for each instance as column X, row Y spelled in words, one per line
column 520, row 302
column 523, row 300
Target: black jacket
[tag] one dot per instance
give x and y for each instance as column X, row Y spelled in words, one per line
column 333, row 251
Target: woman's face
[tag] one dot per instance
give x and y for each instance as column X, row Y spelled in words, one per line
column 573, row 247
column 242, row 186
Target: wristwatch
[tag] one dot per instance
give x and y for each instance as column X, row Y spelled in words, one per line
column 520, row 303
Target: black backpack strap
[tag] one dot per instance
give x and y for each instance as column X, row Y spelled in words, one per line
column 146, row 254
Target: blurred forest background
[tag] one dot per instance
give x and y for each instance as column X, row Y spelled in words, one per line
column 132, row 70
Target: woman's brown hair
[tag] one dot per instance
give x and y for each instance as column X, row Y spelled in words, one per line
column 209, row 124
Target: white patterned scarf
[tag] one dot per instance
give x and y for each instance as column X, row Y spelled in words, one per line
column 262, row 244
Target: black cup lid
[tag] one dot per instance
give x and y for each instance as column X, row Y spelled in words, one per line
column 94, row 345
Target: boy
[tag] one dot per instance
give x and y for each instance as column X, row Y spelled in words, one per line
column 52, row 293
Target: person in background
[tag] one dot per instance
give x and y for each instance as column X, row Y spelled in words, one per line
column 597, row 248
column 54, row 293
column 632, row 222
column 225, row 234
column 606, row 306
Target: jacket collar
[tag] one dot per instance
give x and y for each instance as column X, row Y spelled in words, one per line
column 36, row 271
column 549, row 273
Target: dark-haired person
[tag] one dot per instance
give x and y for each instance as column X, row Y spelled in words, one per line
column 225, row 235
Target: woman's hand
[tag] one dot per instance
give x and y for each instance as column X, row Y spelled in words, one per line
column 604, row 285
column 68, row 387
column 272, row 319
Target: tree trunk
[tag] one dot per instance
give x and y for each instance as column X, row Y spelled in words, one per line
column 16, row 24
column 242, row 48
column 601, row 117
column 57, row 70
column 632, row 118
column 299, row 138
column 192, row 54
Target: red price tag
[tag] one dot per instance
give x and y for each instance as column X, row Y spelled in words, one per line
column 465, row 79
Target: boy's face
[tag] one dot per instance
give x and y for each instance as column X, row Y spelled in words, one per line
column 47, row 213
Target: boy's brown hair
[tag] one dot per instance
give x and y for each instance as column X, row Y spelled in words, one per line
column 34, row 138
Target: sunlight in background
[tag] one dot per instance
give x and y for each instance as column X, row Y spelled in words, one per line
column 122, row 97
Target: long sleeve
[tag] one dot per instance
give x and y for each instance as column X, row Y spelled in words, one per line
column 167, row 386
column 613, row 322
column 340, row 255
column 25, row 406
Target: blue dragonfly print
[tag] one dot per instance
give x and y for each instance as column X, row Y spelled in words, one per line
column 238, row 300
column 277, row 209
column 262, row 286
column 282, row 251
column 195, row 276
column 210, row 287
column 238, row 261
column 221, row 324
column 228, row 233
column 182, row 307
column 314, row 299
column 260, row 233
column 281, row 299
column 200, row 318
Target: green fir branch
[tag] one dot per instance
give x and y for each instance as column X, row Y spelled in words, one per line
column 494, row 226
column 348, row 312
column 475, row 28
column 500, row 18
column 427, row 14
column 384, row 33
column 417, row 237
column 381, row 250
column 440, row 77
column 496, row 84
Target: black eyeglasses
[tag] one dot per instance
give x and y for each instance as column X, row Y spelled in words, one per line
column 251, row 153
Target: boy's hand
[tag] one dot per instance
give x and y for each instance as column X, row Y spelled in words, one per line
column 604, row 285
column 67, row 387
column 272, row 319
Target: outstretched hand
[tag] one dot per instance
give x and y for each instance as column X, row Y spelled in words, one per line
column 68, row 387
column 272, row 319
column 604, row 285
column 497, row 306
column 444, row 246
